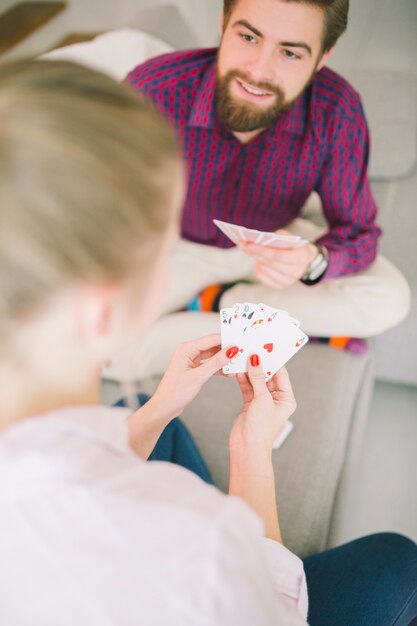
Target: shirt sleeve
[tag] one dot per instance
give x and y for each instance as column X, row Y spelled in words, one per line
column 347, row 199
column 253, row 580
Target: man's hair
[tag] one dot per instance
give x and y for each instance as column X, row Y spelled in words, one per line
column 86, row 176
column 335, row 12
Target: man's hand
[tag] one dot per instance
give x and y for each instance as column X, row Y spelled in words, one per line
column 280, row 268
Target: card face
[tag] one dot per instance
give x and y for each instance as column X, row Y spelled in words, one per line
column 240, row 233
column 259, row 329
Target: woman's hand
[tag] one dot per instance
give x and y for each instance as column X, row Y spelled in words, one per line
column 192, row 364
column 266, row 407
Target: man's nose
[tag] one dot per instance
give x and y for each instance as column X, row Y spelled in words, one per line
column 261, row 66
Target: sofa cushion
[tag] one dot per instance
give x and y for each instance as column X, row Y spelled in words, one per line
column 115, row 53
column 390, row 101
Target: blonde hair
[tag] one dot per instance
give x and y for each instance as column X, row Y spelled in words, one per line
column 86, row 177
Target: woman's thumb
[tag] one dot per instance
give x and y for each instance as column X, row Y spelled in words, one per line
column 256, row 374
column 216, row 362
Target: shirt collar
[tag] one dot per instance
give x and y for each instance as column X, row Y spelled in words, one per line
column 203, row 114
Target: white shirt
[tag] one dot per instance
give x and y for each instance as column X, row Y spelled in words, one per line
column 91, row 535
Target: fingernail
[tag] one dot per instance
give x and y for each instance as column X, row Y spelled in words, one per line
column 254, row 360
column 232, row 352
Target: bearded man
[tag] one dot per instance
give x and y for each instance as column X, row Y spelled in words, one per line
column 263, row 123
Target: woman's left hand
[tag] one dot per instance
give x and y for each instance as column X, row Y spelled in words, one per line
column 191, row 366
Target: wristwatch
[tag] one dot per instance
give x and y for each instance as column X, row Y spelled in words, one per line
column 317, row 267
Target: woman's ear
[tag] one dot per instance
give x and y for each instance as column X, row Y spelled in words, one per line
column 94, row 317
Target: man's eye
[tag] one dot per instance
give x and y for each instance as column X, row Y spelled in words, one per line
column 248, row 38
column 290, row 54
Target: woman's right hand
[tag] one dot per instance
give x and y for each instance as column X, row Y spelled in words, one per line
column 266, row 407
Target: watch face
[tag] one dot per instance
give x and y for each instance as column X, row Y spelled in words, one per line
column 319, row 267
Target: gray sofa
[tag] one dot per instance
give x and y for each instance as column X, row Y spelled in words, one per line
column 314, row 466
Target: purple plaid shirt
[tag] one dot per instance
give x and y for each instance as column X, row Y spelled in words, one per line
column 320, row 144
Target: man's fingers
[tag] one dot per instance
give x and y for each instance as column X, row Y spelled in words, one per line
column 273, row 279
column 262, row 253
column 287, row 256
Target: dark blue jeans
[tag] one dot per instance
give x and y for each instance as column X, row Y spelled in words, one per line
column 368, row 582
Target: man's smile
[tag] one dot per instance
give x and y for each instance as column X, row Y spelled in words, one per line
column 250, row 92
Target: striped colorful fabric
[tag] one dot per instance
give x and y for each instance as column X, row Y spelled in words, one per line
column 320, row 144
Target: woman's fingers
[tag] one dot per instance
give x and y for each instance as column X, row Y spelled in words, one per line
column 214, row 364
column 203, row 343
column 283, row 391
column 245, row 387
column 207, row 354
column 256, row 375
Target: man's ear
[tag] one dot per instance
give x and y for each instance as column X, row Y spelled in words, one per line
column 324, row 59
column 222, row 22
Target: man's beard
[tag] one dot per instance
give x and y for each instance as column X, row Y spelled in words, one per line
column 239, row 116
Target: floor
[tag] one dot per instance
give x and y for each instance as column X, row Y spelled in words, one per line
column 382, row 33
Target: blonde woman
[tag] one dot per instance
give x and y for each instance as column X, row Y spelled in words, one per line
column 91, row 534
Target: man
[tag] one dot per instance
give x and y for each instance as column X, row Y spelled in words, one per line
column 263, row 124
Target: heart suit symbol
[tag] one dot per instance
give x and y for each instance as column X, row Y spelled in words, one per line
column 269, row 347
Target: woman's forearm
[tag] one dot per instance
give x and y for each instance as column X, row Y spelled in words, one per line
column 252, row 479
column 146, row 426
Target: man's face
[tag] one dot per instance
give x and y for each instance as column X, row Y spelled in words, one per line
column 269, row 52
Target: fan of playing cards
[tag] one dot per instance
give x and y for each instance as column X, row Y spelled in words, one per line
column 260, row 329
column 240, row 233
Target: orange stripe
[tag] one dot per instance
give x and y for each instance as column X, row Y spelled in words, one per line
column 208, row 296
column 339, row 343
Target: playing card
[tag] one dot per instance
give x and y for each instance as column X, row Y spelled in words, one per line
column 271, row 313
column 240, row 233
column 270, row 333
column 232, row 321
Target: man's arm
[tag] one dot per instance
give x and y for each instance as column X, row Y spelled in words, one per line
column 348, row 204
